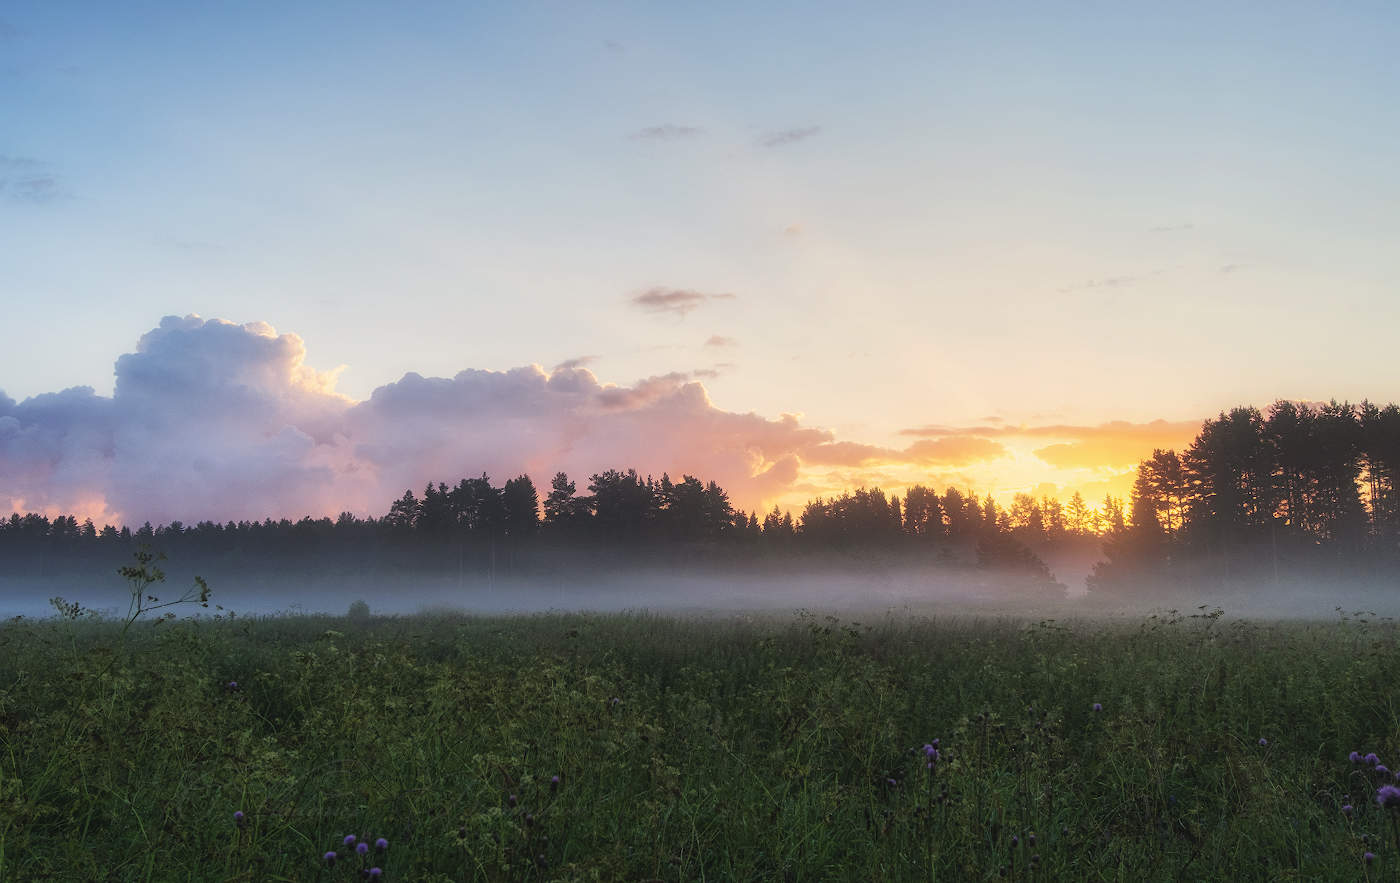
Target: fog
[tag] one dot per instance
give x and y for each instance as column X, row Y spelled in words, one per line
column 855, row 592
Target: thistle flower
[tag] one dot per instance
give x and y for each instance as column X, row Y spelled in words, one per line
column 1372, row 759
column 1382, row 769
column 1098, row 706
column 1263, row 743
column 330, row 858
column 1369, row 857
column 381, row 844
column 511, row 799
column 1388, row 796
column 349, row 839
column 362, row 848
column 1354, row 757
column 1346, row 809
column 238, row 817
column 554, row 783
column 892, row 783
column 374, row 873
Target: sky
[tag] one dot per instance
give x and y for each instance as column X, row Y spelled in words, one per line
column 796, row 248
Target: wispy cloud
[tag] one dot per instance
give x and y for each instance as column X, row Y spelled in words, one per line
column 1111, row 282
column 674, row 300
column 25, row 179
column 721, row 340
column 667, row 132
column 574, row 363
column 1232, row 268
column 1114, row 444
column 789, row 136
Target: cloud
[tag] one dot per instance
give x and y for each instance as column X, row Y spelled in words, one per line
column 667, row 132
column 792, row 230
column 789, row 136
column 24, row 179
column 614, row 46
column 1232, row 268
column 1118, row 443
column 212, row 419
column 576, row 362
column 1111, row 282
column 720, row 340
column 957, row 451
column 674, row 300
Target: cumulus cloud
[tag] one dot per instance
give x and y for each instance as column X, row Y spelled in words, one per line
column 789, row 136
column 667, row 132
column 957, row 451
column 674, row 300
column 210, row 419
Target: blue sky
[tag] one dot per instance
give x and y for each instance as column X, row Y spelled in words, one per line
column 925, row 213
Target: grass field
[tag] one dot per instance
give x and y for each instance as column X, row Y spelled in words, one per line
column 696, row 749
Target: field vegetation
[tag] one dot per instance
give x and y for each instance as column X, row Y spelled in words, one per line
column 583, row 747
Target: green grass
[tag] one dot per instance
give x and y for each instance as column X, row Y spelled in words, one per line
column 739, row 750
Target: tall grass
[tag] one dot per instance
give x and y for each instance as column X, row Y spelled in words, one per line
column 718, row 749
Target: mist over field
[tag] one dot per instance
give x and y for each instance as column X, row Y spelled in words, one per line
column 848, row 592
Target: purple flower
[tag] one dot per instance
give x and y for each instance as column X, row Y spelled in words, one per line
column 238, row 816
column 330, row 858
column 1382, row 769
column 892, row 782
column 381, row 844
column 1369, row 857
column 1354, row 757
column 511, row 799
column 1015, row 841
column 1098, row 706
column 362, row 848
column 1372, row 759
column 349, row 840
column 1388, row 796
column 554, row 783
column 1346, row 809
column 374, row 873
column 1263, row 743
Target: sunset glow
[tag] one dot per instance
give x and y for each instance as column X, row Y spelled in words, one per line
column 946, row 247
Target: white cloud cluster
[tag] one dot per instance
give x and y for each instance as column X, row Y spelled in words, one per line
column 210, row 419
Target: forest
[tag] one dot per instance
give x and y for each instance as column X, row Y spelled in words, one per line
column 1296, row 491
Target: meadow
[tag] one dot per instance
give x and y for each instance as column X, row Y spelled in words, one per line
column 637, row 747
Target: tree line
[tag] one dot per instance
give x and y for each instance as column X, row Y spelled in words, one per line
column 1291, row 492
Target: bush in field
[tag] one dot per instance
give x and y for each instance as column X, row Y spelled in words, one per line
column 359, row 612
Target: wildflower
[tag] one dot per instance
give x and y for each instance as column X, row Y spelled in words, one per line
column 349, row 840
column 233, row 685
column 375, row 873
column 1015, row 841
column 330, row 858
column 892, row 782
column 615, row 700
column 554, row 783
column 1263, row 743
column 238, row 817
column 362, row 848
column 1354, row 757
column 511, row 799
column 1382, row 769
column 1346, row 809
column 1372, row 759
column 1098, row 706
column 1388, row 796
column 381, row 844
column 1369, row 857
column 1030, row 838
